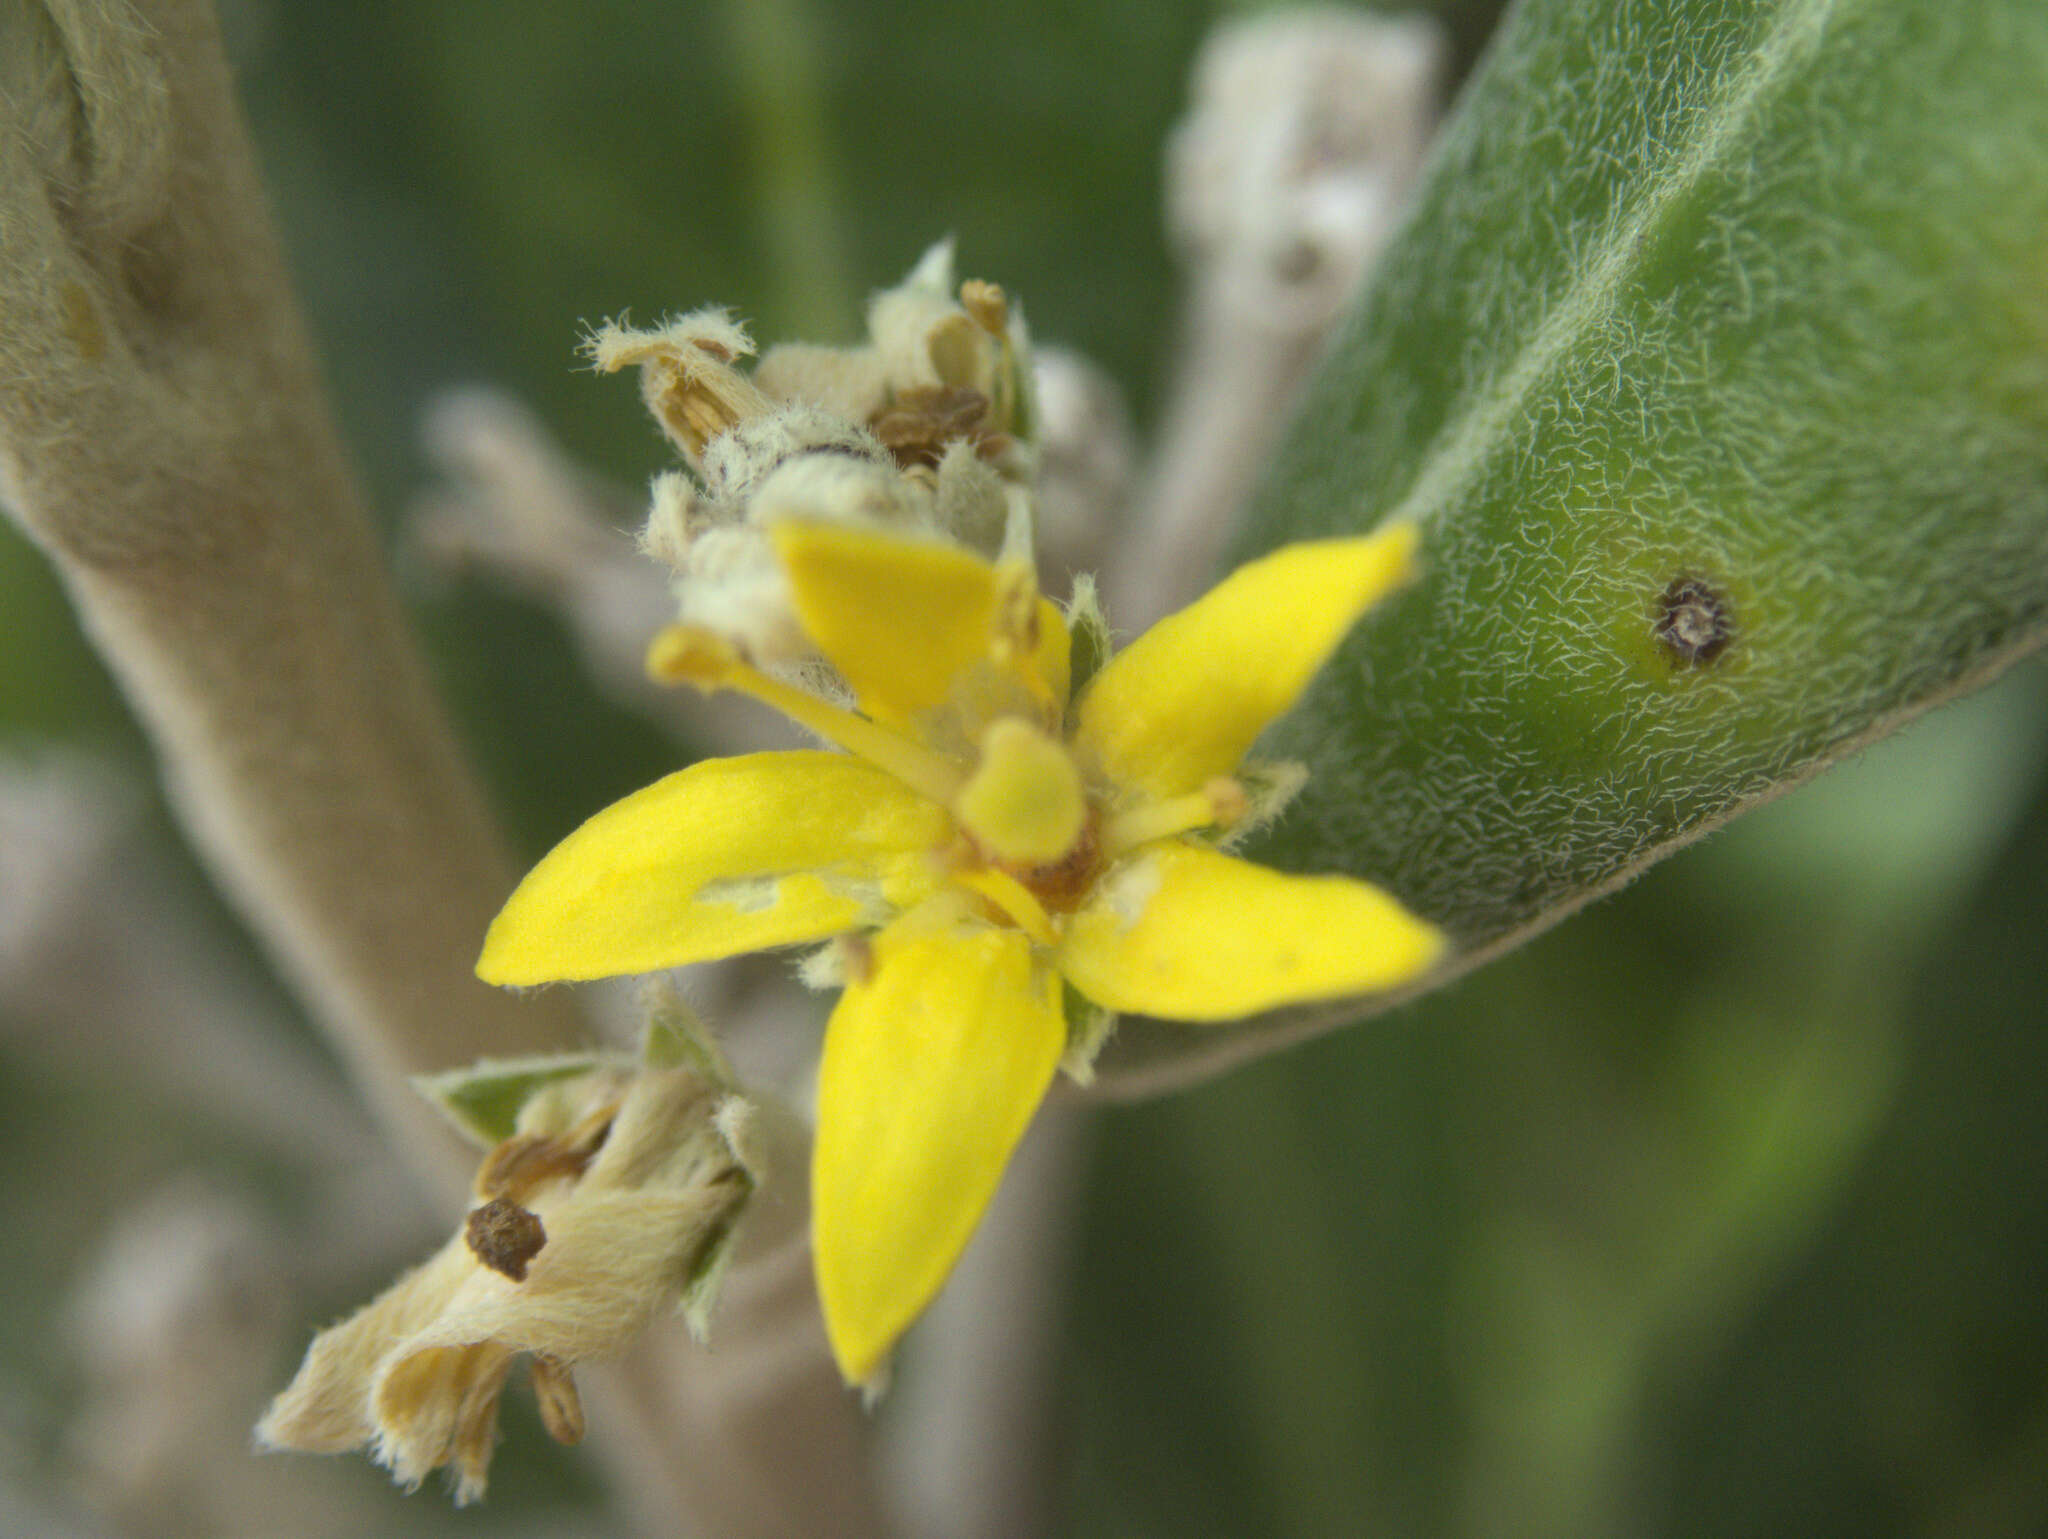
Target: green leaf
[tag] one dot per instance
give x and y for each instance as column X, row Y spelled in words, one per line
column 1740, row 308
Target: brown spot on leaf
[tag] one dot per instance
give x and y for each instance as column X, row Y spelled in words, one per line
column 504, row 1237
column 1693, row 621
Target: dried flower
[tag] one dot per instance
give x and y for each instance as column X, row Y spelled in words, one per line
column 926, row 428
column 610, row 1199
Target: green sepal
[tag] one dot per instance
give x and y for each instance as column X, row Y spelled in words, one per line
column 737, row 1124
column 483, row 1100
column 707, row 1276
column 1089, row 648
column 1089, row 1026
column 1016, row 365
column 678, row 1038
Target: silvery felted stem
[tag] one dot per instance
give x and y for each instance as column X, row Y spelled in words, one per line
column 1283, row 185
column 164, row 439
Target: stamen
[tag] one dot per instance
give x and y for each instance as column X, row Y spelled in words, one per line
column 1217, row 805
column 1013, row 643
column 1013, row 898
column 561, row 1407
column 686, row 377
column 987, row 304
column 690, row 654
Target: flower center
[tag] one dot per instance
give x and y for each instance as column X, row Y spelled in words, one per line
column 1038, row 842
column 1027, row 817
column 1024, row 802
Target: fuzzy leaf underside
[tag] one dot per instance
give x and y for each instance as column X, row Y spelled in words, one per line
column 1751, row 296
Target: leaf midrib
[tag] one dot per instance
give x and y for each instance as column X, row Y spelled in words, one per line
column 1461, row 447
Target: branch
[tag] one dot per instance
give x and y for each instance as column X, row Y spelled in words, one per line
column 164, row 438
column 1286, row 179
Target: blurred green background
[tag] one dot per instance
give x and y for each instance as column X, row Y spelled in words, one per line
column 1718, row 1210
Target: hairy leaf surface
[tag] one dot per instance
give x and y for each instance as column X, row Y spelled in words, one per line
column 1714, row 367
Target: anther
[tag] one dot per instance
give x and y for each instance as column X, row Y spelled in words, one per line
column 561, row 1406
column 987, row 304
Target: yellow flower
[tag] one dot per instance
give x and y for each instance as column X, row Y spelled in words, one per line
column 990, row 842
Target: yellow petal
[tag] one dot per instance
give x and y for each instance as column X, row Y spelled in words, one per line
column 1189, row 934
column 1053, row 655
column 729, row 855
column 933, row 1065
column 900, row 618
column 1182, row 703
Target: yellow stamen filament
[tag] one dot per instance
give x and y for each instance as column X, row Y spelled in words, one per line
column 1217, row 805
column 690, row 654
column 1014, row 899
column 1013, row 640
